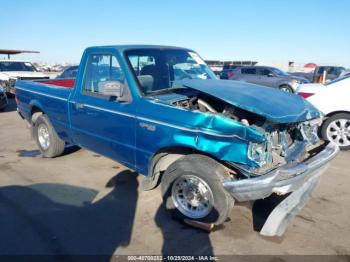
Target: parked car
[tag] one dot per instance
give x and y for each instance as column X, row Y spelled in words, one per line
column 207, row 142
column 69, row 72
column 3, row 98
column 332, row 72
column 227, row 73
column 332, row 99
column 12, row 70
column 268, row 76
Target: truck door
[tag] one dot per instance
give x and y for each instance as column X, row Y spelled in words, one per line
column 99, row 122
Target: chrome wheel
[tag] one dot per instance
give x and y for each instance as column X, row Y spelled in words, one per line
column 192, row 196
column 43, row 136
column 338, row 132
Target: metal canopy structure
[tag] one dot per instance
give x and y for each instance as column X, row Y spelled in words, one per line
column 9, row 52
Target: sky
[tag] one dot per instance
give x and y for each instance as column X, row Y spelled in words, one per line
column 294, row 30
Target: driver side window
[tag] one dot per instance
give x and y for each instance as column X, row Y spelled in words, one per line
column 146, row 71
column 265, row 72
column 101, row 69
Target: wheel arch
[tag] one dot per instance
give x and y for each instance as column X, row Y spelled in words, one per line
column 162, row 159
column 337, row 112
column 35, row 110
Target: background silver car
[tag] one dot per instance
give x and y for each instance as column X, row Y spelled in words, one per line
column 267, row 76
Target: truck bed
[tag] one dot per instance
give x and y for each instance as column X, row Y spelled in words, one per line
column 49, row 95
column 69, row 83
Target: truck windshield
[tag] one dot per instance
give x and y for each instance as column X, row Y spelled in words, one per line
column 163, row 69
column 16, row 66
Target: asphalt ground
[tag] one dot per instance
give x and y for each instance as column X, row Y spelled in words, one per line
column 83, row 203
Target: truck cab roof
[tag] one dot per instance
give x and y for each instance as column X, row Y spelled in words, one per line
column 122, row 48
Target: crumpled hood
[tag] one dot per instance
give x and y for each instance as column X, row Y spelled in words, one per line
column 275, row 105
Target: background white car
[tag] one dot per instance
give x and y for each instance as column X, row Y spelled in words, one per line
column 333, row 99
column 12, row 70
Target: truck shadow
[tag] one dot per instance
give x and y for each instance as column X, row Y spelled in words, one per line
column 28, row 153
column 59, row 219
column 180, row 239
column 70, row 149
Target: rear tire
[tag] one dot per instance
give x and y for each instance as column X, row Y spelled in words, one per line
column 192, row 188
column 336, row 129
column 46, row 138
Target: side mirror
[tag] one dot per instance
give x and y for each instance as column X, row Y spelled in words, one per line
column 111, row 88
column 270, row 75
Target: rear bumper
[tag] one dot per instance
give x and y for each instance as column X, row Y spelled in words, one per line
column 283, row 180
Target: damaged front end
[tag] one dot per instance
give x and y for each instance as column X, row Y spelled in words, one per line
column 290, row 162
column 282, row 158
column 284, row 143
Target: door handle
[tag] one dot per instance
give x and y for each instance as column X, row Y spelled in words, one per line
column 79, row 106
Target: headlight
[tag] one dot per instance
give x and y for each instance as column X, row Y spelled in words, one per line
column 295, row 81
column 309, row 130
column 260, row 153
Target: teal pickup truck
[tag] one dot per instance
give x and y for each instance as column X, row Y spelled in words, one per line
column 209, row 143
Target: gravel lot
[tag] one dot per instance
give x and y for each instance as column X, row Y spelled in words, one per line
column 83, row 203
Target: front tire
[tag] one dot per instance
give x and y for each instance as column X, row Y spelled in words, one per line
column 46, row 138
column 336, row 129
column 192, row 188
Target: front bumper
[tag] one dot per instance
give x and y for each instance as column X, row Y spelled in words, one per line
column 301, row 179
column 283, row 180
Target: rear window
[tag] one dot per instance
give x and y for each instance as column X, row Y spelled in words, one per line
column 248, row 71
